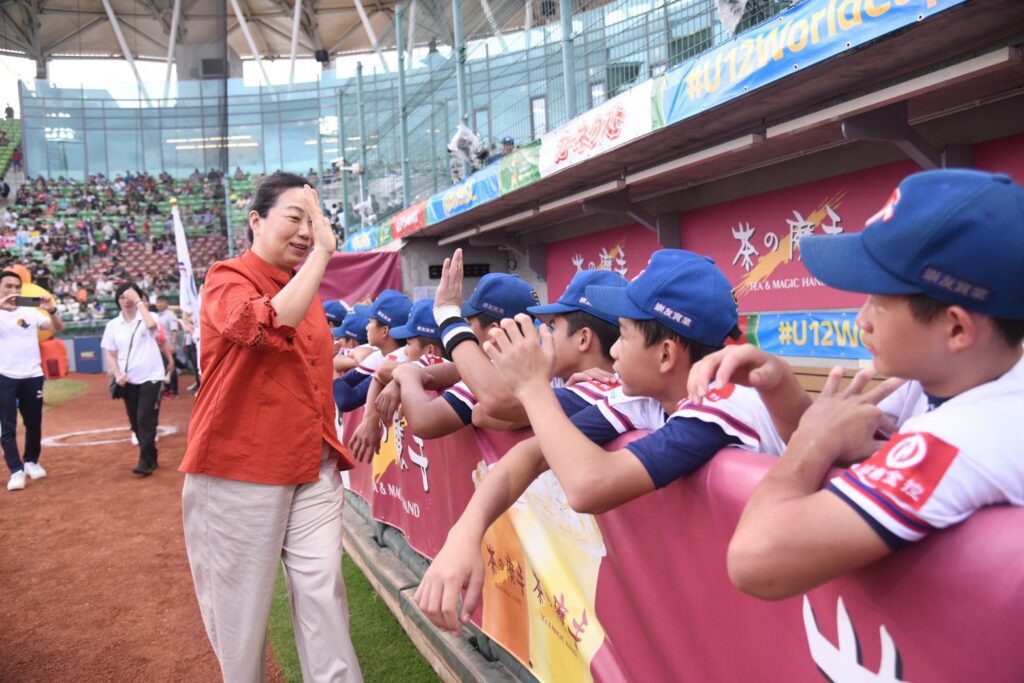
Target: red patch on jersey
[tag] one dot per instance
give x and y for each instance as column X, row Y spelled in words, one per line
column 603, row 386
column 909, row 467
column 720, row 393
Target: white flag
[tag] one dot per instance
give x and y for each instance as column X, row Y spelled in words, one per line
column 188, row 296
column 729, row 14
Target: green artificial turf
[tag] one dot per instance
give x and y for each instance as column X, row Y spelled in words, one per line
column 385, row 653
column 58, row 391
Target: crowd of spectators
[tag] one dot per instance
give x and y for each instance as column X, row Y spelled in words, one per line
column 80, row 240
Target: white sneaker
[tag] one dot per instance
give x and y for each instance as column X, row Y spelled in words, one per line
column 135, row 439
column 17, row 481
column 34, row 470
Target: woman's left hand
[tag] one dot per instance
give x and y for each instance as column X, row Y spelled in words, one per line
column 323, row 236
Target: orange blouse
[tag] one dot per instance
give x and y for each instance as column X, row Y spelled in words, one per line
column 265, row 407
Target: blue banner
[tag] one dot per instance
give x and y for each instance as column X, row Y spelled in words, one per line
column 802, row 36
column 816, row 334
column 477, row 189
column 367, row 238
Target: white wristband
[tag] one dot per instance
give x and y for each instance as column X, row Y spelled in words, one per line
column 442, row 313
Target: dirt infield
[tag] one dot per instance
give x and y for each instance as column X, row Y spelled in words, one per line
column 95, row 581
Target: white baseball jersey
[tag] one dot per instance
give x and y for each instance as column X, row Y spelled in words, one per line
column 683, row 441
column 943, row 465
column 377, row 358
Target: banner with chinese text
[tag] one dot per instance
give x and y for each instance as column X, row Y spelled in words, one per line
column 609, row 125
column 632, row 594
column 409, row 221
column 756, row 240
column 625, row 250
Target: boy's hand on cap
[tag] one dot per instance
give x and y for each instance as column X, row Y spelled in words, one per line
column 449, row 290
column 847, row 420
column 744, row 364
column 523, row 360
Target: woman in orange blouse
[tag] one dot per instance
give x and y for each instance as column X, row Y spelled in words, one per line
column 262, row 481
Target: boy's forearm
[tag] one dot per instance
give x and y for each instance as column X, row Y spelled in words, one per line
column 483, row 380
column 502, row 487
column 573, row 457
column 786, row 403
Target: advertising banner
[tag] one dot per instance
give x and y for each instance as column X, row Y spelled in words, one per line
column 625, row 250
column 756, row 240
column 814, row 334
column 633, row 594
column 804, row 35
column 409, row 221
column 364, row 239
column 477, row 189
column 609, row 125
column 520, row 168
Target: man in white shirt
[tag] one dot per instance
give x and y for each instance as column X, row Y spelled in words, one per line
column 21, row 377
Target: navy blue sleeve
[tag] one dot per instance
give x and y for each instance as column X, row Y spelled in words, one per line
column 570, row 401
column 353, row 378
column 678, row 448
column 348, row 397
column 594, row 426
column 892, row 540
column 464, row 412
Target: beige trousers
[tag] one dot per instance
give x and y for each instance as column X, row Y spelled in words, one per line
column 235, row 534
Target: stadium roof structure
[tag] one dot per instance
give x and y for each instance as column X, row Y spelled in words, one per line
column 43, row 29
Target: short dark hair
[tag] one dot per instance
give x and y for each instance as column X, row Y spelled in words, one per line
column 925, row 309
column 485, row 319
column 268, row 189
column 654, row 332
column 607, row 334
column 124, row 287
column 162, row 297
column 9, row 273
column 430, row 340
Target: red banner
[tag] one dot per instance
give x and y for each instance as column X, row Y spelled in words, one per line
column 756, row 240
column 409, row 221
column 625, row 250
column 641, row 592
column 356, row 277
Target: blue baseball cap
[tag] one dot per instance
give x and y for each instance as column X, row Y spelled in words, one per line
column 354, row 324
column 420, row 324
column 955, row 235
column 575, row 296
column 391, row 308
column 500, row 295
column 335, row 311
column 683, row 291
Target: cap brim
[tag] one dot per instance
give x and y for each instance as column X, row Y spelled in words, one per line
column 615, row 301
column 337, row 332
column 468, row 310
column 401, row 332
column 842, row 262
column 550, row 309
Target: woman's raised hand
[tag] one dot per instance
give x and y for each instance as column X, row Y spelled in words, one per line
column 324, row 238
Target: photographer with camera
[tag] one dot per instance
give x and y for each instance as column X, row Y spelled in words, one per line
column 136, row 366
column 21, row 375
